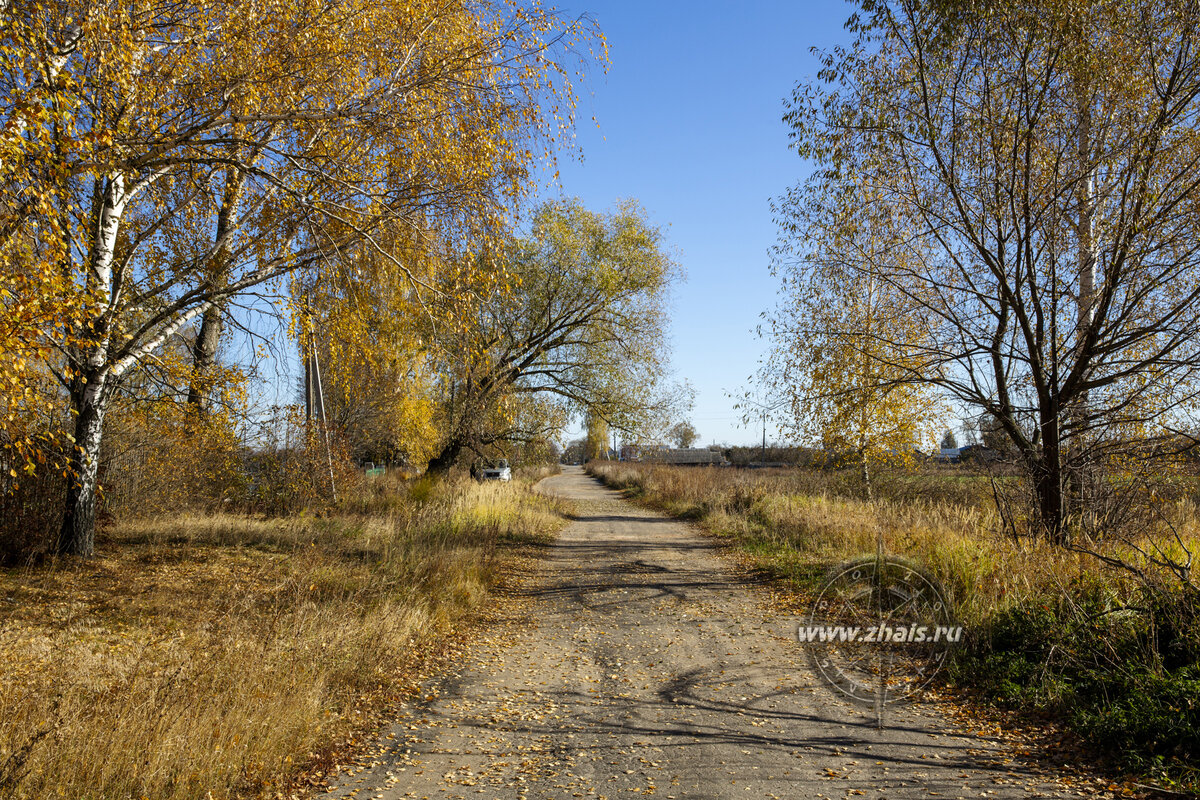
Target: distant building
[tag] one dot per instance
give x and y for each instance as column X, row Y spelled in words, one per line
column 948, row 455
column 688, row 457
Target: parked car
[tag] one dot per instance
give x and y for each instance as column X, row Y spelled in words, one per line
column 499, row 471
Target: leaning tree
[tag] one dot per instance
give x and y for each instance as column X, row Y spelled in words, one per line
column 575, row 326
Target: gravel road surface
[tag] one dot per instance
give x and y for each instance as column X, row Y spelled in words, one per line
column 645, row 666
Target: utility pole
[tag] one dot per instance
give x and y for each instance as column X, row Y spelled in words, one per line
column 764, row 448
column 764, row 410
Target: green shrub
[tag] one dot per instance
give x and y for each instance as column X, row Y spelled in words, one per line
column 1141, row 718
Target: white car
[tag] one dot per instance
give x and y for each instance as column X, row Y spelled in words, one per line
column 499, row 471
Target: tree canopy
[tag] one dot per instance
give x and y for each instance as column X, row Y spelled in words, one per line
column 841, row 361
column 1032, row 170
column 581, row 334
column 160, row 158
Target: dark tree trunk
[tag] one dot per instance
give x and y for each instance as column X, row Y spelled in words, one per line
column 1049, row 482
column 78, row 534
column 204, row 352
column 446, row 459
column 204, row 357
column 1051, row 507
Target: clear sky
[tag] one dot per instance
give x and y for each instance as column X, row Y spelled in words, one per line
column 689, row 123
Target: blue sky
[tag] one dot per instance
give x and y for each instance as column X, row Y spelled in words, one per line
column 690, row 124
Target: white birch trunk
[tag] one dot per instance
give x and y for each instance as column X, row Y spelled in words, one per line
column 91, row 386
column 1087, row 258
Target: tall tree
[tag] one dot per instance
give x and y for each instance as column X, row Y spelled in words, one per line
column 369, row 324
column 1043, row 161
column 834, row 361
column 575, row 452
column 683, row 434
column 36, row 295
column 579, row 317
column 294, row 135
column 598, row 443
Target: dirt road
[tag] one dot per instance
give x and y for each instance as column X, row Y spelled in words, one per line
column 650, row 669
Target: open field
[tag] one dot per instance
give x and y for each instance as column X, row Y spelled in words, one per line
column 229, row 655
column 1050, row 629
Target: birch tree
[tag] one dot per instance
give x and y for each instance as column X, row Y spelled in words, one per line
column 371, row 329
column 834, row 361
column 294, row 133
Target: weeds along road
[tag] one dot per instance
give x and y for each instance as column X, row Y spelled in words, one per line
column 650, row 669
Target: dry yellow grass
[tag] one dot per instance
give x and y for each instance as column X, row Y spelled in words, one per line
column 213, row 657
column 795, row 527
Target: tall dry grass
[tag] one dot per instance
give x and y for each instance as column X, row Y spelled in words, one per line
column 215, row 656
column 797, row 524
